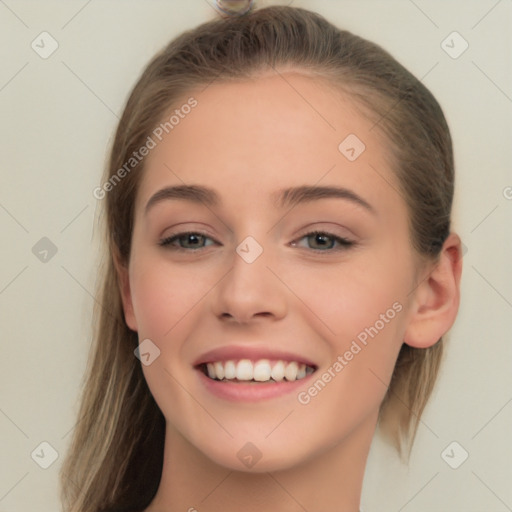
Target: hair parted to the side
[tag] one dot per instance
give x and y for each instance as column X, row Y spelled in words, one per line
column 116, row 453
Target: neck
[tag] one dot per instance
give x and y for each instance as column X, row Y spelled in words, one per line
column 330, row 481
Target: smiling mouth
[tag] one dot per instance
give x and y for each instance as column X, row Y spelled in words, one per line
column 260, row 371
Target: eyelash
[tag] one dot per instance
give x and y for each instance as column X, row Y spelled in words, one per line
column 344, row 242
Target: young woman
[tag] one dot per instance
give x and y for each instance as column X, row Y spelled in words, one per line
column 280, row 271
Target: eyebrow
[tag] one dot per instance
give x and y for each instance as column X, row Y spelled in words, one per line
column 282, row 198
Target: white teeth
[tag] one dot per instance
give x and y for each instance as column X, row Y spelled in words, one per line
column 211, row 370
column 244, row 370
column 290, row 372
column 219, row 370
column 230, row 370
column 260, row 371
column 277, row 372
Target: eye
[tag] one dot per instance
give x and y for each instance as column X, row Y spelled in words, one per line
column 189, row 236
column 321, row 238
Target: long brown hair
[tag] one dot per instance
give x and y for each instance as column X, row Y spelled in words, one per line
column 116, row 453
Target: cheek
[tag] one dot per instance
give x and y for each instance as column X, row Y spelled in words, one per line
column 362, row 310
column 363, row 354
column 162, row 296
column 347, row 297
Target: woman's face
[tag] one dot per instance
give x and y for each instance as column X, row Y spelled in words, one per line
column 252, row 293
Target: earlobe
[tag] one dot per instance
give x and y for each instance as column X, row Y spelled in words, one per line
column 125, row 291
column 437, row 297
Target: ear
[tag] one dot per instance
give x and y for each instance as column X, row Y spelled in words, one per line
column 124, row 290
column 436, row 299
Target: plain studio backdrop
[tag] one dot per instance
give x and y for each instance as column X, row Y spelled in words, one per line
column 60, row 102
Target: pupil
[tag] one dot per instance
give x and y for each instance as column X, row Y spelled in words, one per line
column 320, row 239
column 192, row 237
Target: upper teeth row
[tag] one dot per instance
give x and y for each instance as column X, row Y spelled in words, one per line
column 261, row 370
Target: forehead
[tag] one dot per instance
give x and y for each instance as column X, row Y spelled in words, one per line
column 254, row 136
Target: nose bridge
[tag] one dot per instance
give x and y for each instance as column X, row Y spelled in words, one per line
column 249, row 249
column 249, row 275
column 250, row 288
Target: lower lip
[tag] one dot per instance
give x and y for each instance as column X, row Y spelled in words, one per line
column 251, row 392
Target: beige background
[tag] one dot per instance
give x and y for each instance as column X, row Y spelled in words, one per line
column 57, row 118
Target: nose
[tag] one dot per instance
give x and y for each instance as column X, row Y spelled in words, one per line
column 252, row 289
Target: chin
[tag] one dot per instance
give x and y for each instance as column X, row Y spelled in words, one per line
column 257, row 456
column 269, row 462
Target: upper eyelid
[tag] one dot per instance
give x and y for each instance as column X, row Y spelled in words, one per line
column 310, row 228
column 205, row 234
column 177, row 235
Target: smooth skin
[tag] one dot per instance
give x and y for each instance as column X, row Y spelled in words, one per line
column 246, row 140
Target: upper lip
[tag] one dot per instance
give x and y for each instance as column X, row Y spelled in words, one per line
column 254, row 353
